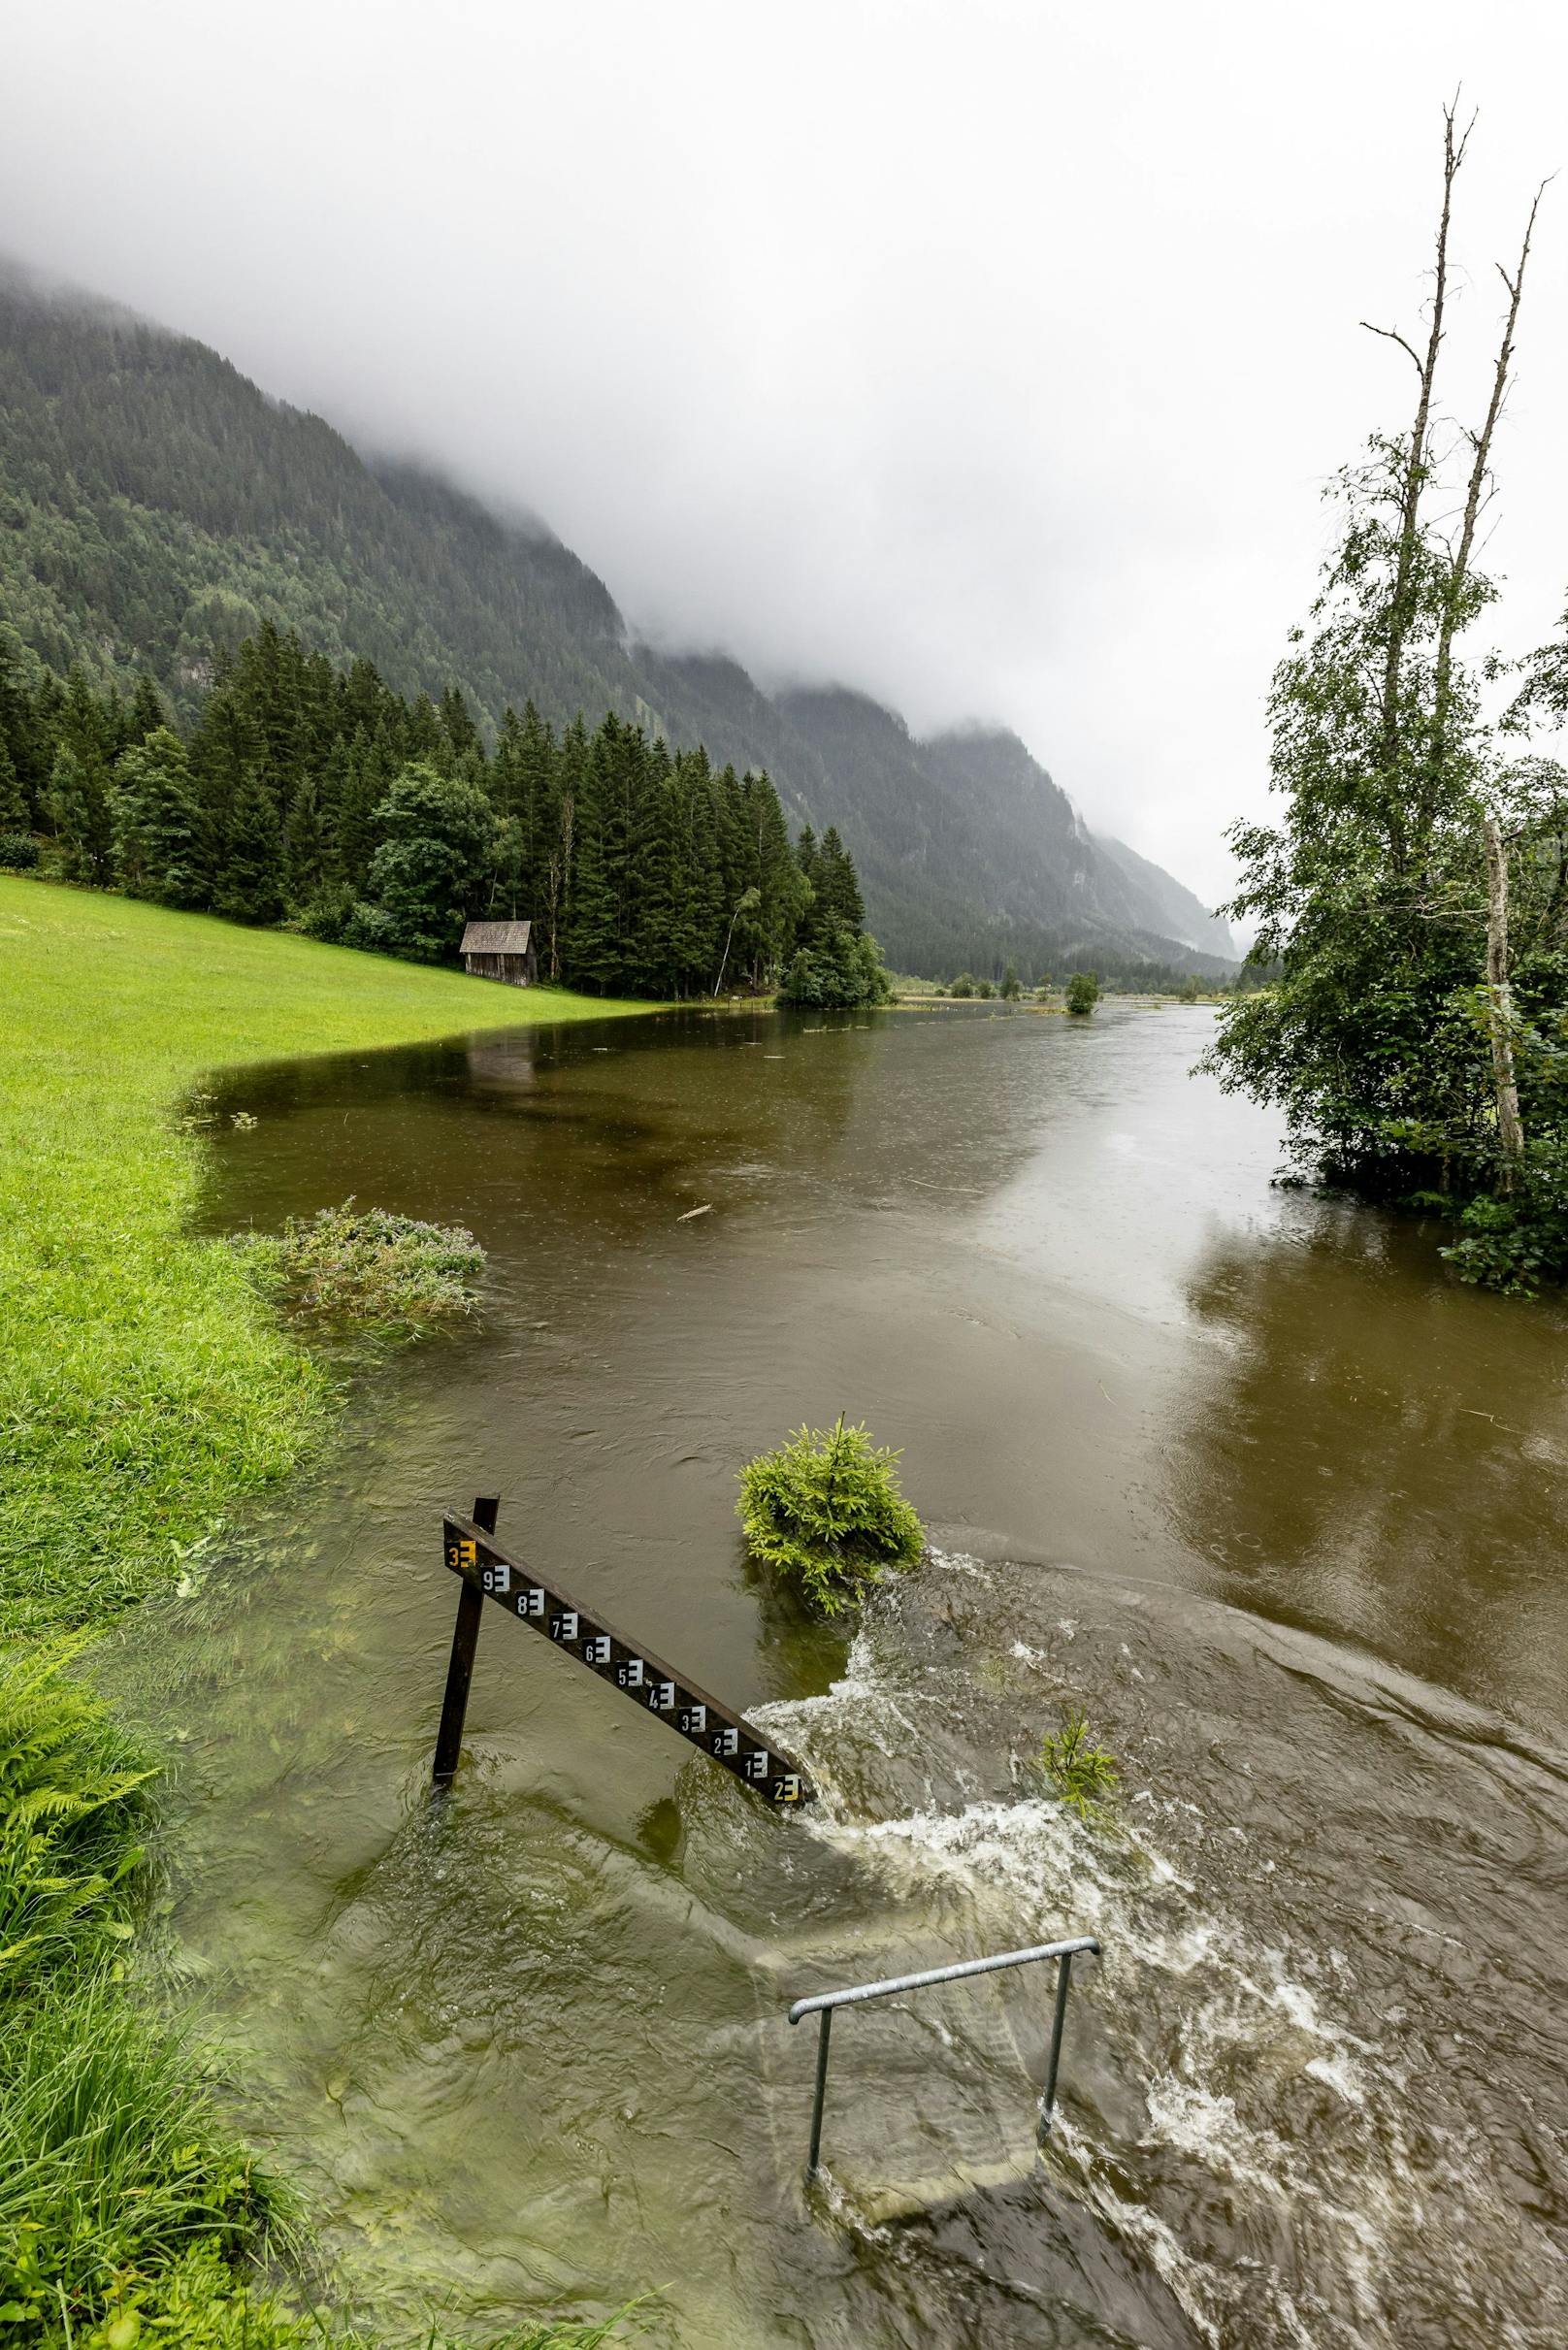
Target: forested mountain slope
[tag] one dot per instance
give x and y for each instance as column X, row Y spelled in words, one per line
column 1177, row 912
column 971, row 856
column 1042, row 853
column 156, row 507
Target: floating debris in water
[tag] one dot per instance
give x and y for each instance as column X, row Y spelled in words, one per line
column 706, row 1209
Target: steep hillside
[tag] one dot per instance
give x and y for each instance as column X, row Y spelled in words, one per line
column 971, row 856
column 156, row 507
column 1172, row 907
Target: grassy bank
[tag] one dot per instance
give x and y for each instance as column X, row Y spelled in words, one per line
column 144, row 1387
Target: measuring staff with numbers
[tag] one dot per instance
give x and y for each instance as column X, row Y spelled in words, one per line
column 488, row 1571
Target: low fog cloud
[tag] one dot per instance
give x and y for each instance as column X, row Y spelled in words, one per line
column 988, row 356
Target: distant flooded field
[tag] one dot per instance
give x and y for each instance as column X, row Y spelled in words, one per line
column 1241, row 1472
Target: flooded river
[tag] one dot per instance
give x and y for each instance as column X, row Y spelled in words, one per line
column 1240, row 1471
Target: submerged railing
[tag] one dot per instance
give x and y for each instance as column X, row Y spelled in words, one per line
column 825, row 2001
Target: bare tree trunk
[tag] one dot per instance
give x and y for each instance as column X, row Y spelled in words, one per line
column 1474, row 498
column 725, row 957
column 1400, row 603
column 1500, row 1006
column 552, row 902
column 561, row 879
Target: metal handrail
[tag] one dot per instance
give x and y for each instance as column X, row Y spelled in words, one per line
column 825, row 2001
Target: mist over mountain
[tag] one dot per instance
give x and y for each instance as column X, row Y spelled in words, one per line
column 157, row 506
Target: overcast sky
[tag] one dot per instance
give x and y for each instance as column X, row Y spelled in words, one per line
column 990, row 356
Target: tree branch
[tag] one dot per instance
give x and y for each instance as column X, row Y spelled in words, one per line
column 1390, row 334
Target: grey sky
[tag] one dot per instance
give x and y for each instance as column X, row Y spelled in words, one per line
column 990, row 356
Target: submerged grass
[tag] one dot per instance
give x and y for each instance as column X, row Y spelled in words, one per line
column 146, row 1385
column 366, row 1269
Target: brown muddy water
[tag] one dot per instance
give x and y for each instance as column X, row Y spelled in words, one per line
column 1240, row 1471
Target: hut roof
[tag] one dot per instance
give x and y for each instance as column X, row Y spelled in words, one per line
column 496, row 938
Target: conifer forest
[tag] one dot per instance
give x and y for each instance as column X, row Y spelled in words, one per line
column 316, row 798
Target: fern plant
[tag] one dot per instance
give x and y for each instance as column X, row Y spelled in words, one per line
column 71, row 1808
column 826, row 1510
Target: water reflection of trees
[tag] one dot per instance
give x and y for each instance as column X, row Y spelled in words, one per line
column 624, row 1127
column 1382, row 1455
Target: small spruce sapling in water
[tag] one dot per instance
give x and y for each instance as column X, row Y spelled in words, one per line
column 826, row 1510
column 1084, row 1776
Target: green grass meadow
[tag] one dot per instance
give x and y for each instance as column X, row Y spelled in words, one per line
column 145, row 1387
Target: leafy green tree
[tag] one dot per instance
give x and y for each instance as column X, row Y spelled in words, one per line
column 158, row 825
column 1011, row 985
column 965, row 983
column 841, row 972
column 1083, row 992
column 1412, row 897
column 436, row 836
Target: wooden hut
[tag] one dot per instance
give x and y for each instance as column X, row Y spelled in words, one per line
column 501, row 950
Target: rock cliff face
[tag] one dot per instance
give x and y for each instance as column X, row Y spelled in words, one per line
column 155, row 506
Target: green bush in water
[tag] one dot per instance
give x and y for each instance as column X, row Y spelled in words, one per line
column 1083, row 992
column 367, row 1267
column 826, row 1511
column 1084, row 1775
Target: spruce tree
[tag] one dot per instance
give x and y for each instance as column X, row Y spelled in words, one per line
column 462, row 736
column 158, row 824
column 367, row 775
column 304, row 847
column 248, row 885
column 595, row 944
column 808, row 861
column 146, row 713
column 80, row 813
column 16, row 816
column 837, row 883
column 561, row 859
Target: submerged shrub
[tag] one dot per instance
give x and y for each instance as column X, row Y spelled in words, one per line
column 1083, row 992
column 826, row 1511
column 367, row 1267
column 71, row 1806
column 1520, row 1242
column 1084, row 1775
